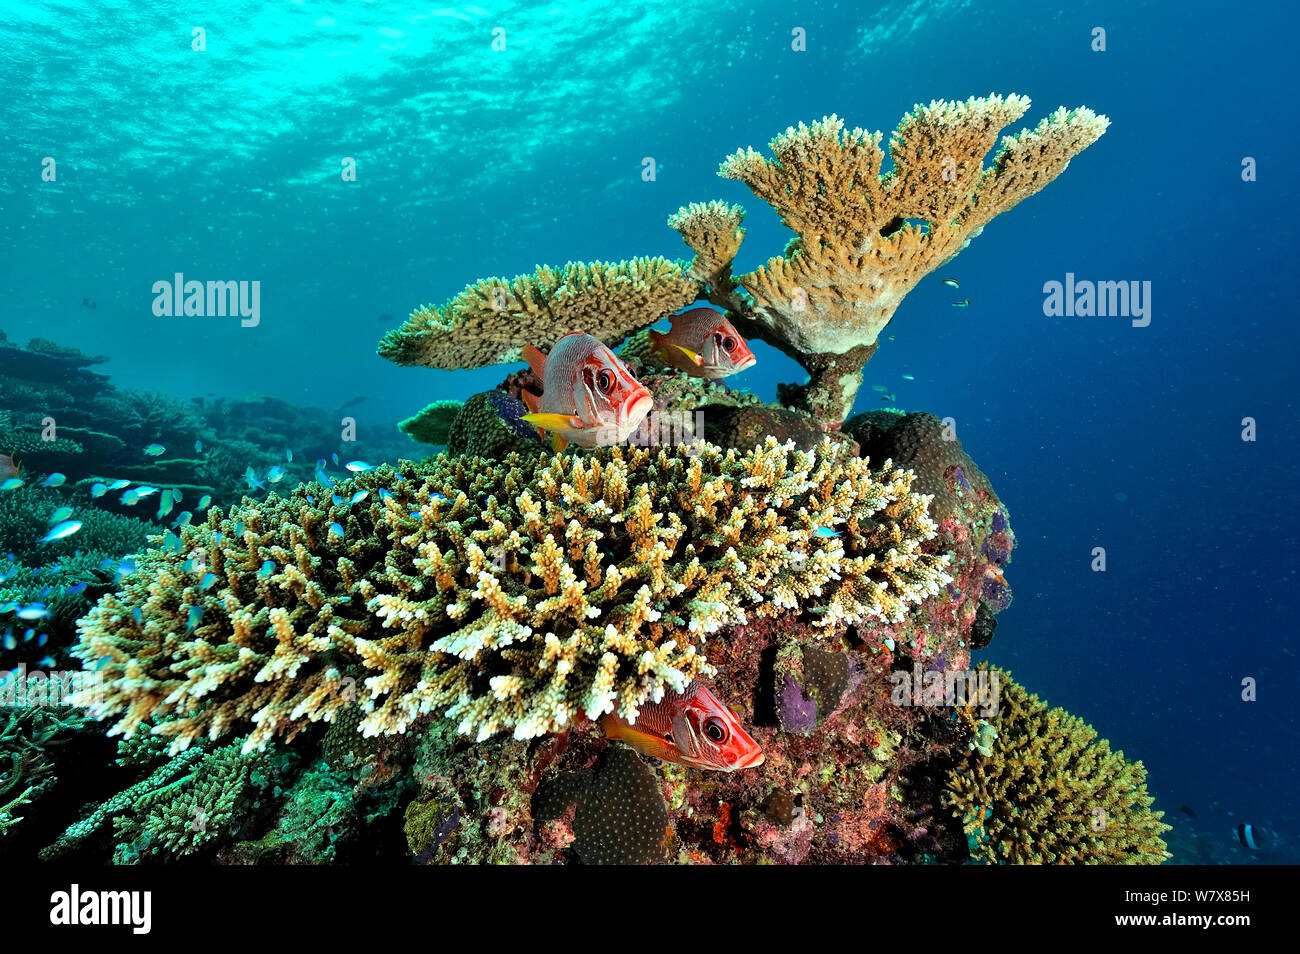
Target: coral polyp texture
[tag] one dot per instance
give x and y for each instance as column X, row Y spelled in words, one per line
column 865, row 237
column 508, row 596
column 1052, row 792
column 491, row 320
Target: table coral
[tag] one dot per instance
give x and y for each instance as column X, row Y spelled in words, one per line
column 510, row 596
column 491, row 320
column 864, row 237
column 1051, row 792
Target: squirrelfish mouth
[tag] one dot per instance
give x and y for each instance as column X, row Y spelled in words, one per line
column 746, row 364
column 636, row 407
column 753, row 760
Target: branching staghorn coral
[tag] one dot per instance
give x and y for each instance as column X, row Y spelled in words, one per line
column 28, row 735
column 510, row 596
column 1049, row 791
column 491, row 320
column 858, row 247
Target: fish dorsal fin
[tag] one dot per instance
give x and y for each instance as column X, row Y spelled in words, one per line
column 537, row 362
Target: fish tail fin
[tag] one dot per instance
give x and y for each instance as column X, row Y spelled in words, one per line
column 558, row 443
column 656, row 341
column 536, row 361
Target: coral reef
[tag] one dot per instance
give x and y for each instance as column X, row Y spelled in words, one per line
column 491, row 425
column 491, row 320
column 28, row 737
column 1051, row 792
column 864, row 239
column 511, row 596
column 433, row 424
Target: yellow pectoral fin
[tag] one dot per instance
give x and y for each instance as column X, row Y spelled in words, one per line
column 558, row 443
column 690, row 354
column 552, row 422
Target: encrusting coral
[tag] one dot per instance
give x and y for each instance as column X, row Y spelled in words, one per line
column 510, row 596
column 1051, row 792
column 864, row 239
column 491, row 320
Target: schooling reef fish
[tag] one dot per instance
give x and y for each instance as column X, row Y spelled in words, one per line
column 689, row 728
column 588, row 395
column 703, row 344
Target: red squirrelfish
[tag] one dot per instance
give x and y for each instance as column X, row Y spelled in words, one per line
column 588, row 395
column 689, row 728
column 702, row 343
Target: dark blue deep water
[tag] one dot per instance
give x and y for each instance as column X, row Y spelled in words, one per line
column 225, row 163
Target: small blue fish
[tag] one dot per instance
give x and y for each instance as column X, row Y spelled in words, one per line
column 63, row 513
column 338, row 500
column 8, row 607
column 216, row 538
column 27, row 636
column 204, row 501
column 137, row 616
column 438, row 497
column 384, row 493
column 13, row 483
column 98, row 490
column 172, row 542
column 288, row 455
column 76, row 589
column 165, row 504
column 275, row 474
column 42, row 639
column 153, row 450
column 198, row 447
column 183, row 520
column 124, row 569
column 207, row 581
column 311, row 499
column 65, row 529
column 359, row 466
column 119, row 484
column 239, row 528
column 323, row 478
column 10, row 642
column 54, row 480
column 359, row 496
column 825, row 532
column 251, row 477
column 336, row 528
column 33, row 611
column 335, row 457
column 320, row 463
column 46, row 662
column 192, row 620
column 266, row 569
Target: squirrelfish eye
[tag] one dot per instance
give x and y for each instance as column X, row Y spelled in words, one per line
column 728, row 344
column 716, row 730
column 605, row 381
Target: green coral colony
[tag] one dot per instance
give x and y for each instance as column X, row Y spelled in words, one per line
column 429, row 646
